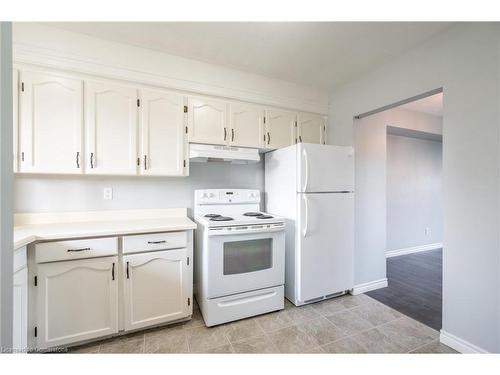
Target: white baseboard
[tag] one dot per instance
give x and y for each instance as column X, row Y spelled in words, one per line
column 411, row 250
column 459, row 344
column 366, row 287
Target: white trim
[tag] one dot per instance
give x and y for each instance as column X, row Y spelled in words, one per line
column 459, row 344
column 367, row 287
column 411, row 250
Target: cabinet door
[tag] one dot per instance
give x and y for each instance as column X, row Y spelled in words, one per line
column 162, row 133
column 156, row 287
column 111, row 118
column 76, row 300
column 207, row 121
column 311, row 128
column 50, row 129
column 247, row 125
column 15, row 113
column 280, row 128
column 20, row 310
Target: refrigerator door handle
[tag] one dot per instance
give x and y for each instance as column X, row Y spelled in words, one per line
column 306, row 211
column 306, row 167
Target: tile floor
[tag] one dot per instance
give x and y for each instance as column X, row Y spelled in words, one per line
column 348, row 324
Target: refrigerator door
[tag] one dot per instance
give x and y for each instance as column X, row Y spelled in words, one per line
column 324, row 168
column 325, row 242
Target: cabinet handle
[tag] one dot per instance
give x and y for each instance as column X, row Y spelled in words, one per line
column 128, row 277
column 113, row 271
column 78, row 159
column 268, row 138
column 156, row 242
column 145, row 162
column 232, row 135
column 77, row 250
column 225, row 133
column 91, row 160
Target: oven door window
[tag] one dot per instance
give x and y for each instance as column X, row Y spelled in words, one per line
column 248, row 256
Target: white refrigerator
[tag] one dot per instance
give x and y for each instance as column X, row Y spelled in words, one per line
column 312, row 186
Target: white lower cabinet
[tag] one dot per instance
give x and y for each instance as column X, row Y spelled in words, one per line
column 20, row 310
column 76, row 300
column 157, row 287
column 88, row 289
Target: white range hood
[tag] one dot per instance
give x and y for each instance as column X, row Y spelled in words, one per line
column 236, row 155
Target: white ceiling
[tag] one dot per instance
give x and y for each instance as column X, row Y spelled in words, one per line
column 319, row 54
column 432, row 105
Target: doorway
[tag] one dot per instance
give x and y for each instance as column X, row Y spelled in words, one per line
column 411, row 153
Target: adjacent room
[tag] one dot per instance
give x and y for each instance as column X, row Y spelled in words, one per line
column 414, row 210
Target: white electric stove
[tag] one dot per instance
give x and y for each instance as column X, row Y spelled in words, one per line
column 239, row 256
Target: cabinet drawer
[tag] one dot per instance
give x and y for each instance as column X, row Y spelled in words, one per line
column 75, row 249
column 152, row 242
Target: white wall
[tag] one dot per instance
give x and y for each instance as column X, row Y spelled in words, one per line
column 6, row 217
column 414, row 192
column 38, row 193
column 464, row 61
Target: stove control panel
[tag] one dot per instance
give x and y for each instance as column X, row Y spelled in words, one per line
column 226, row 196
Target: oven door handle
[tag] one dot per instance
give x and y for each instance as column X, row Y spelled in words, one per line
column 235, row 232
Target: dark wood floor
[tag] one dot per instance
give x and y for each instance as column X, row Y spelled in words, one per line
column 415, row 286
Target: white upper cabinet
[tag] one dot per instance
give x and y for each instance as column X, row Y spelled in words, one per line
column 111, row 128
column 157, row 287
column 207, row 121
column 50, row 123
column 247, row 125
column 310, row 128
column 280, row 128
column 162, row 124
column 15, row 109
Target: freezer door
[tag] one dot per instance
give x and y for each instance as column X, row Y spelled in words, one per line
column 324, row 168
column 325, row 244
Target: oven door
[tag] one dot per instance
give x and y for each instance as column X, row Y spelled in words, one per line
column 245, row 261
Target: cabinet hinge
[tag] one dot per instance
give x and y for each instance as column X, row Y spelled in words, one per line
column 264, row 119
column 22, row 156
column 22, row 86
column 186, row 129
column 138, row 102
column 36, row 331
column 138, row 162
column 36, row 280
column 184, row 163
column 295, row 123
column 189, row 301
column 188, row 261
column 295, row 140
column 185, row 109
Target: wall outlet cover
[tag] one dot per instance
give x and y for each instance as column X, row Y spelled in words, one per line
column 108, row 193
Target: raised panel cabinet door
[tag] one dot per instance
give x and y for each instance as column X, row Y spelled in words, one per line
column 111, row 119
column 311, row 128
column 155, row 287
column 280, row 128
column 162, row 123
column 207, row 121
column 247, row 125
column 20, row 311
column 50, row 123
column 76, row 300
column 15, row 113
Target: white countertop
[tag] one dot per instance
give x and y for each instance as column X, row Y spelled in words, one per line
column 29, row 229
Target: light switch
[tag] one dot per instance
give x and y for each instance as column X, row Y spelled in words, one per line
column 108, row 193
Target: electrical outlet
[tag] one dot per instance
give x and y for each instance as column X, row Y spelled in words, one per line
column 108, row 193
column 427, row 231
